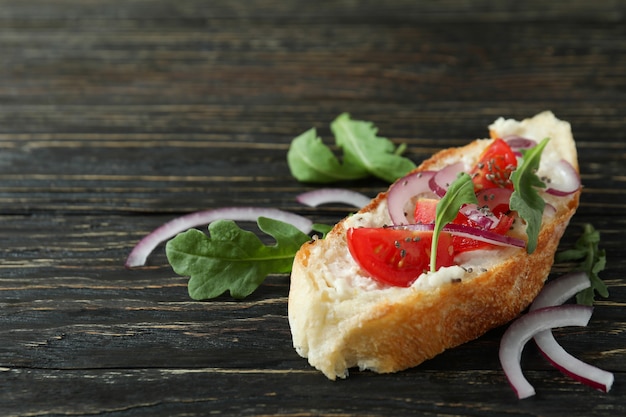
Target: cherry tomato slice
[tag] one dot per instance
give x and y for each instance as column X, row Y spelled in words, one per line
column 397, row 256
column 465, row 244
column 425, row 210
column 494, row 167
column 497, row 199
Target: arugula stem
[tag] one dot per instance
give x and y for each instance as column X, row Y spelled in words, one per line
column 460, row 192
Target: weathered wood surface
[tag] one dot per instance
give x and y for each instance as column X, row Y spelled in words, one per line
column 116, row 116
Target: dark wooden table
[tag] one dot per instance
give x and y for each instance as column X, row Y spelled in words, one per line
column 116, row 116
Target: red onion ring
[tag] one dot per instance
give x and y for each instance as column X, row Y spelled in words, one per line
column 140, row 252
column 403, row 190
column 524, row 328
column 440, row 182
column 564, row 180
column 518, row 142
column 555, row 293
column 596, row 378
column 485, row 219
column 469, row 232
column 333, row 195
column 484, row 235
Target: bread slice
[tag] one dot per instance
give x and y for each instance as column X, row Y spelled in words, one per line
column 341, row 318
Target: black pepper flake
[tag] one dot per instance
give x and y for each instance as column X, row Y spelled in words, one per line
column 456, row 280
column 402, row 253
column 396, row 244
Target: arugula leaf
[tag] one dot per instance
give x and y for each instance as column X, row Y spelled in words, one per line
column 525, row 198
column 364, row 154
column 311, row 161
column 361, row 146
column 232, row 259
column 460, row 192
column 592, row 261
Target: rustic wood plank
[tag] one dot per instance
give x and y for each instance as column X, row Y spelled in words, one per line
column 457, row 10
column 108, row 172
column 72, row 305
column 176, row 392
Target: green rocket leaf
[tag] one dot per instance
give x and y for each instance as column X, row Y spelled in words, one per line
column 232, row 259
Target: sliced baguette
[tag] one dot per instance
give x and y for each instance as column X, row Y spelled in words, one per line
column 341, row 318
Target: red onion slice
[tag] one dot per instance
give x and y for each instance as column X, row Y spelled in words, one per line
column 483, row 218
column 469, row 232
column 555, row 293
column 333, row 195
column 564, row 179
column 518, row 142
column 524, row 328
column 403, row 191
column 440, row 182
column 596, row 378
column 484, row 235
column 168, row 230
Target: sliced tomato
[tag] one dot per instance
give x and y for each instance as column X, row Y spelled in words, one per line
column 494, row 167
column 425, row 210
column 497, row 199
column 397, row 256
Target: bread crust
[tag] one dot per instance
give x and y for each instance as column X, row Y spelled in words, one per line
column 401, row 331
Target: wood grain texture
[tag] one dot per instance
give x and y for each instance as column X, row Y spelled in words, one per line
column 116, row 116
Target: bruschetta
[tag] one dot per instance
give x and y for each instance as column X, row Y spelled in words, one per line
column 371, row 294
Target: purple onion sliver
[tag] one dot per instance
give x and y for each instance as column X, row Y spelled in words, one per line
column 518, row 142
column 144, row 248
column 403, row 190
column 333, row 195
column 524, row 328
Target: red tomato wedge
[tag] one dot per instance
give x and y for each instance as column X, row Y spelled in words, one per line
column 425, row 210
column 397, row 256
column 465, row 244
column 494, row 167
